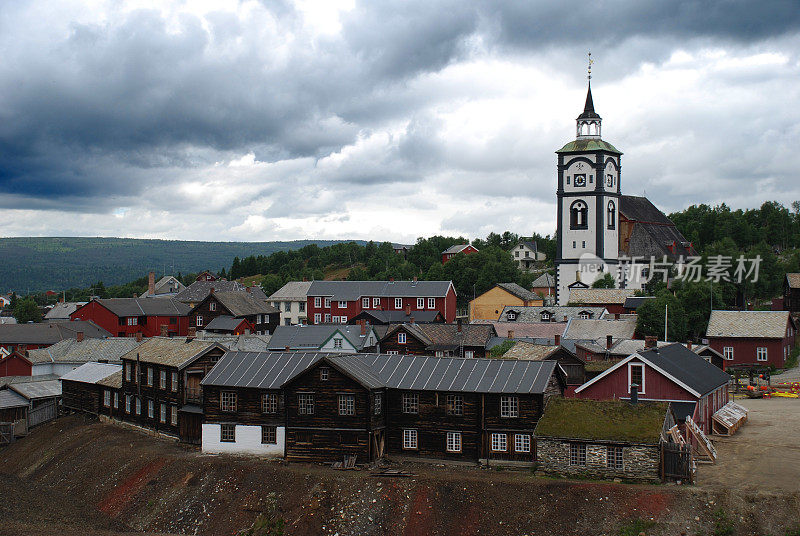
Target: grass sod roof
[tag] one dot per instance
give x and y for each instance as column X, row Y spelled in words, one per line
column 603, row 420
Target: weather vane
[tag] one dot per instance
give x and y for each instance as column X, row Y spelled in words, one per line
column 591, row 61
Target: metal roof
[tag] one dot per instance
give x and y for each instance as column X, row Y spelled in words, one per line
column 314, row 336
column 73, row 351
column 91, row 372
column 198, row 290
column 354, row 290
column 224, row 323
column 458, row 248
column 145, row 307
column 171, row 351
column 42, row 389
column 533, row 313
column 259, row 370
column 10, row 399
column 49, row 333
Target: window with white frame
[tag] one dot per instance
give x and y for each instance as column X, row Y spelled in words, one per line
column 269, row 403
column 365, row 303
column 128, row 367
column 327, row 318
column 636, row 376
column 392, row 352
column 337, row 342
column 116, row 400
column 420, row 303
column 401, row 338
column 614, row 457
column 455, row 405
column 327, row 303
column 317, row 318
column 324, row 372
column 509, row 406
column 133, row 320
column 522, row 443
column 150, row 376
column 347, row 404
column 378, row 403
column 173, row 415
column 438, row 353
column 342, row 304
column 761, row 353
column 174, row 382
column 577, row 454
column 269, row 435
column 499, row 442
column 410, row 403
column 409, row 438
column 376, row 302
column 317, row 301
column 212, row 306
column 453, row 441
column 398, row 303
column 150, row 409
column 227, row 433
column 138, row 406
column 198, row 321
column 431, row 303
column 107, row 398
column 162, row 379
column 545, row 317
column 584, row 315
column 127, row 403
column 227, row 400
column 727, row 353
column 305, row 403
column 469, row 354
column 163, row 413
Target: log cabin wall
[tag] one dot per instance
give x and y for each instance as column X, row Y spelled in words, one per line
column 248, row 406
column 173, row 400
column 80, row 396
column 325, row 435
column 412, row 346
column 529, row 411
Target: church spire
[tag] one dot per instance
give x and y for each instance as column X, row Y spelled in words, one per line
column 589, row 121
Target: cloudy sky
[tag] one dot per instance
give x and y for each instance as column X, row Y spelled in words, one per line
column 277, row 120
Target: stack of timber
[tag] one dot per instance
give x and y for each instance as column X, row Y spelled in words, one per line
column 728, row 419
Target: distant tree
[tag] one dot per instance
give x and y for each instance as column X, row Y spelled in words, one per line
column 270, row 283
column 651, row 313
column 26, row 311
column 695, row 298
column 607, row 281
column 501, row 349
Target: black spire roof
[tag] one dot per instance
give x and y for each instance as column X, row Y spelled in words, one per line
column 588, row 109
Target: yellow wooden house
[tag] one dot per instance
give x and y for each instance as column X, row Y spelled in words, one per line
column 489, row 305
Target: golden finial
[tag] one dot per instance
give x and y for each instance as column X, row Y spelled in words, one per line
column 591, row 61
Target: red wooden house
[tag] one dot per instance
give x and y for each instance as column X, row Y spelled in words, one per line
column 752, row 337
column 15, row 364
column 338, row 302
column 205, row 275
column 452, row 251
column 23, row 337
column 125, row 317
column 671, row 373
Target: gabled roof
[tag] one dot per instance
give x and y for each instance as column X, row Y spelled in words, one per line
column 62, row 310
column 114, row 381
column 518, row 291
column 171, row 351
column 144, row 307
column 748, row 324
column 293, row 291
column 544, row 280
column 9, row 399
column 649, row 219
column 609, row 296
column 37, row 389
column 443, row 336
column 238, row 343
column 91, row 372
column 793, row 280
column 315, row 336
column 603, row 420
column 539, row 330
column 619, row 348
column 599, row 329
column 633, row 302
column 167, row 286
column 243, row 304
column 533, row 313
column 530, row 351
column 458, row 248
column 260, row 370
column 397, row 317
column 528, row 244
column 225, row 323
column 679, row 364
column 49, row 333
column 198, row 290
column 354, row 290
column 72, row 351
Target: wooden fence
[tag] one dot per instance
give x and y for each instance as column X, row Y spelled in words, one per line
column 677, row 462
column 43, row 413
column 6, row 433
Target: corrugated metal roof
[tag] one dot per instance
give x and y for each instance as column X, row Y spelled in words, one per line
column 260, row 370
column 354, row 290
column 10, row 399
column 43, row 389
column 91, row 372
column 49, row 333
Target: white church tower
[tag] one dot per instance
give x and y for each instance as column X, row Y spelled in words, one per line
column 588, row 194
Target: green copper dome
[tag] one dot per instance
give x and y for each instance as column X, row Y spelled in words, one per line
column 591, row 144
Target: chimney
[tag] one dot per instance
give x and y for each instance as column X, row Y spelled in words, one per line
column 138, row 336
column 135, row 295
column 415, row 279
column 458, row 323
column 79, row 336
column 248, row 289
column 305, row 279
column 164, row 330
column 151, row 283
column 510, row 333
column 287, row 348
column 408, row 309
column 650, row 342
column 616, row 316
column 565, row 318
column 609, row 342
column 688, row 345
column 412, row 320
column 363, row 327
column 211, row 290
column 192, row 332
column 558, row 339
column 634, row 394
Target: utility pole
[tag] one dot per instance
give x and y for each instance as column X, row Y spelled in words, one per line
column 666, row 316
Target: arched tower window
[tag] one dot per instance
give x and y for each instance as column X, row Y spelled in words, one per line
column 578, row 215
column 612, row 215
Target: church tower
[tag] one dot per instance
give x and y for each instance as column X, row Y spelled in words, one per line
column 587, row 236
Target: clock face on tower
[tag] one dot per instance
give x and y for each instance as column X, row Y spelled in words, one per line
column 580, row 180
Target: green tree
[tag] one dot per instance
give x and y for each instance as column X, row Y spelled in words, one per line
column 26, row 311
column 650, row 317
column 607, row 281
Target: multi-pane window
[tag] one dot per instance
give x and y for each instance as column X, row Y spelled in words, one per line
column 376, row 302
column 212, row 306
column 469, row 354
column 522, row 443
column 150, row 376
column 401, row 338
column 150, row 409
column 227, row 401
column 453, row 441
column 174, row 416
column 106, row 398
column 327, row 303
column 302, row 307
column 269, row 403
column 614, row 457
column 455, row 405
column 409, row 439
column 163, row 414
column 337, row 342
column 577, row 454
column 365, row 303
column 138, row 406
column 347, row 404
column 761, row 353
column 727, row 352
column 327, row 318
column 342, row 305
column 398, row 303
column 198, row 320
column 162, row 379
column 132, row 320
column 323, row 373
column 420, row 303
column 127, row 403
column 431, row 303
column 227, row 433
column 269, row 435
column 174, row 382
column 128, row 367
column 116, row 400
column 636, row 376
column 378, row 403
column 499, row 442
column 305, row 403
column 509, row 406
column 410, row 403
column 317, row 318
column 317, row 301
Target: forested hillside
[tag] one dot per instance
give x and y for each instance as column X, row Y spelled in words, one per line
column 39, row 264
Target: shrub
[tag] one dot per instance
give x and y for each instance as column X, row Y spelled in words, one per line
column 634, row 527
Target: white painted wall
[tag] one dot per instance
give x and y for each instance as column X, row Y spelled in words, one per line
column 248, row 441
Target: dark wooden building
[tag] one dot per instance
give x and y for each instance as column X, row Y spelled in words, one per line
column 237, row 305
column 791, row 294
column 81, row 390
column 161, row 385
column 438, row 340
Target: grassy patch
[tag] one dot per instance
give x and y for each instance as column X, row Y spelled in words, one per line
column 634, row 527
column 723, row 525
column 601, row 366
column 793, row 532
